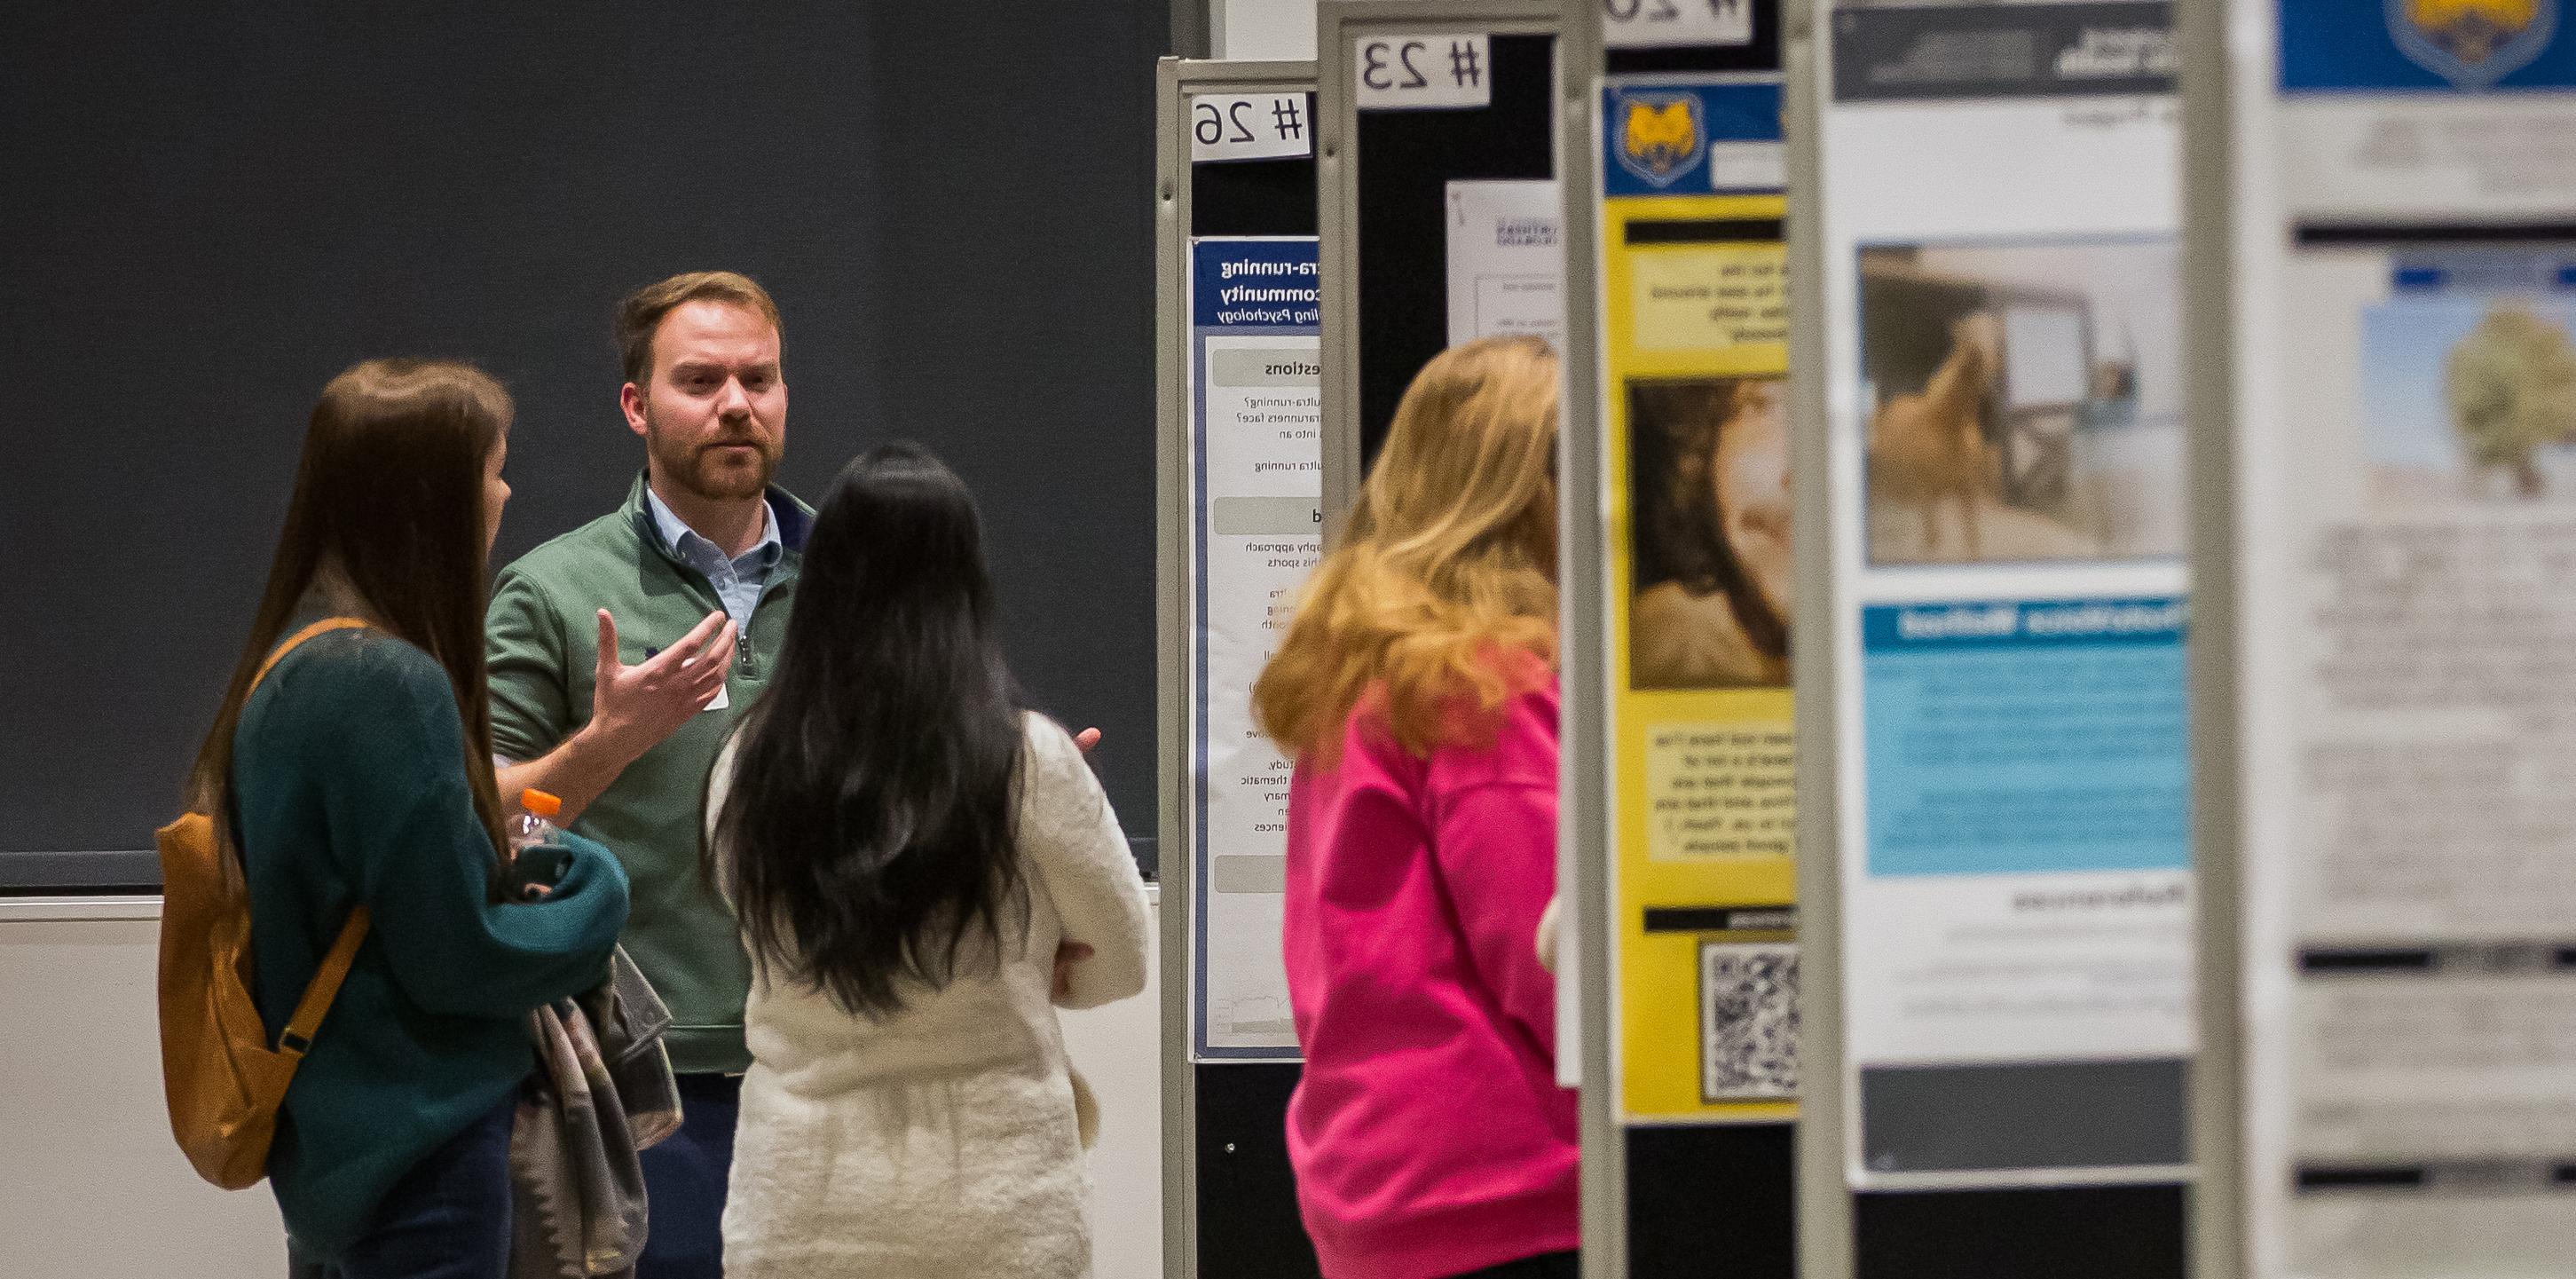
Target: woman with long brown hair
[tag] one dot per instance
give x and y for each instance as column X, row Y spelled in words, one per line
column 1416, row 687
column 358, row 773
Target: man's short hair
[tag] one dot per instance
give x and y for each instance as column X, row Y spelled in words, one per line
column 640, row 315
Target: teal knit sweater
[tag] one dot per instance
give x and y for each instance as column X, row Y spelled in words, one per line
column 349, row 776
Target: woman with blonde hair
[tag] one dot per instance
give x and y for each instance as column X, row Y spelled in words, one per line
column 1416, row 688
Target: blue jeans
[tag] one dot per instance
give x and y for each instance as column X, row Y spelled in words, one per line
column 448, row 1218
column 684, row 1181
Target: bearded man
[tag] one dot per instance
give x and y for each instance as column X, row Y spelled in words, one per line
column 620, row 654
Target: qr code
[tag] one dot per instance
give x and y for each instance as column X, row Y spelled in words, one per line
column 1748, row 1021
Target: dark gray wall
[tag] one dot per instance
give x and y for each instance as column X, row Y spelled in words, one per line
column 1017, row 327
column 203, row 217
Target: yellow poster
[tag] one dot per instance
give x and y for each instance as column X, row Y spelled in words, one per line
column 1696, row 354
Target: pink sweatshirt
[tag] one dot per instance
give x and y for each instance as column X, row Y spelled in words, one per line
column 1428, row 1133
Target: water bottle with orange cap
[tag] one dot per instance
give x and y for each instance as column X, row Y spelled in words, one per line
column 538, row 856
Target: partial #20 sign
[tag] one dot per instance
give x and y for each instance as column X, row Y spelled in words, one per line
column 1637, row 24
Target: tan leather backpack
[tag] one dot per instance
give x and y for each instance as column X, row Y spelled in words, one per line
column 223, row 1078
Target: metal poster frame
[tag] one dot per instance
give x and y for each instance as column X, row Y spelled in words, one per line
column 2256, row 202
column 1590, row 766
column 2210, row 225
column 1583, row 770
column 1176, row 80
column 1581, row 812
column 1340, row 24
column 1824, row 1202
column 1832, row 1205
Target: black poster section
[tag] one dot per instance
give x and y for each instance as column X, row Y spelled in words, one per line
column 1711, row 1199
column 1247, row 1196
column 1760, row 55
column 2102, row 1232
column 2097, row 1232
column 1406, row 161
column 1248, row 1224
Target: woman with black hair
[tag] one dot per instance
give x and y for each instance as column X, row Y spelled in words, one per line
column 924, row 871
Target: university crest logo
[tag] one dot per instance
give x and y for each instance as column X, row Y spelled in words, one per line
column 1661, row 135
column 2473, row 43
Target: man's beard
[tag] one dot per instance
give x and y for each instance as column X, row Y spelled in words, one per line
column 702, row 471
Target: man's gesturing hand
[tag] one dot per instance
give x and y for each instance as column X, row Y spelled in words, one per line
column 633, row 708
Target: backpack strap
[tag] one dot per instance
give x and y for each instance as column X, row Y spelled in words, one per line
column 296, row 641
column 220, row 804
column 297, row 1038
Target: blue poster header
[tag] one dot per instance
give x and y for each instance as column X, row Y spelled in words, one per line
column 1254, row 284
column 2424, row 46
column 1900, row 628
column 1655, row 138
column 2480, row 270
column 2026, row 737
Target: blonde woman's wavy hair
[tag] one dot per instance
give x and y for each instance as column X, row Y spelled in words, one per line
column 1438, row 605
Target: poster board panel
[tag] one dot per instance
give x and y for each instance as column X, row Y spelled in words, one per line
column 1257, row 512
column 1696, row 483
column 1687, row 971
column 1225, row 1167
column 2007, row 511
column 2399, row 315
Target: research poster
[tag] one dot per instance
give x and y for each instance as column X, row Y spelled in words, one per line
column 2005, row 360
column 1256, row 502
column 1693, row 298
column 2405, row 461
column 1506, row 263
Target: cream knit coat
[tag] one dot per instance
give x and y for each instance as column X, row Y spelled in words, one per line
column 942, row 1141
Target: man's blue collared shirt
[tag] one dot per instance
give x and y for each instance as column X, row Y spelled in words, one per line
column 738, row 580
